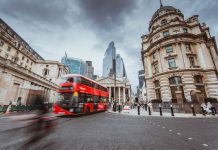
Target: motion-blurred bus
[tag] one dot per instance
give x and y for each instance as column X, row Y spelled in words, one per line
column 80, row 95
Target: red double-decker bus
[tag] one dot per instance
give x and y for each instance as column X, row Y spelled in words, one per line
column 80, row 95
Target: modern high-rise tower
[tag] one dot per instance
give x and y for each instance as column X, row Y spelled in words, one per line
column 108, row 60
column 75, row 65
column 120, row 68
column 110, row 54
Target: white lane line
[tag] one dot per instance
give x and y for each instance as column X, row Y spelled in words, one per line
column 163, row 127
column 205, row 145
column 178, row 133
column 170, row 130
column 190, row 138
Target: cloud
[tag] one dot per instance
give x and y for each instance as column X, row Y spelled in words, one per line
column 36, row 11
column 106, row 15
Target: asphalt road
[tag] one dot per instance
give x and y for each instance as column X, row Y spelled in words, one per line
column 105, row 131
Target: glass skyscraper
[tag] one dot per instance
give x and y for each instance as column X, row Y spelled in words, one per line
column 76, row 66
column 120, row 68
column 108, row 60
column 109, row 55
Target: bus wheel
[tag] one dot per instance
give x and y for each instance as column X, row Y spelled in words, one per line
column 87, row 110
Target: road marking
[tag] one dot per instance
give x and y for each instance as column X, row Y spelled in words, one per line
column 205, row 145
column 163, row 127
column 190, row 138
column 170, row 130
column 178, row 133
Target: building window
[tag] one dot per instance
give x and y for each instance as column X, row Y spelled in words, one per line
column 157, row 89
column 31, row 63
column 176, row 85
column 192, row 61
column 199, row 84
column 45, row 72
column 166, row 33
column 23, row 57
column 21, row 64
column 188, row 47
column 27, row 60
column 1, row 43
column 163, row 22
column 9, row 48
column 156, row 69
column 172, row 63
column 185, row 30
column 169, row 49
column 154, row 56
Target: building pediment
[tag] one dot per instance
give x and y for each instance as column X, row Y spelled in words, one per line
column 108, row 80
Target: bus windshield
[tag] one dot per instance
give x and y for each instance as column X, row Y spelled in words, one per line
column 70, row 80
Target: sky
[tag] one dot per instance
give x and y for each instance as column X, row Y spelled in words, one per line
column 84, row 28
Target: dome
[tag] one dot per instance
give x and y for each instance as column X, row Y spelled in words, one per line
column 169, row 8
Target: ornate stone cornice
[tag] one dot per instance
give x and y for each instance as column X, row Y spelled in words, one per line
column 179, row 71
column 9, row 35
column 10, row 66
column 170, row 37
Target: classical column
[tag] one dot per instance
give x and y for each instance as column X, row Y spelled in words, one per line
column 114, row 94
column 119, row 94
column 129, row 93
column 124, row 95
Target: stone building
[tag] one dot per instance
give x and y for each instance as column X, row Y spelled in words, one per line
column 19, row 78
column 122, row 92
column 51, row 70
column 180, row 58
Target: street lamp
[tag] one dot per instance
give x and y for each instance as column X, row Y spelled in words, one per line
column 114, row 73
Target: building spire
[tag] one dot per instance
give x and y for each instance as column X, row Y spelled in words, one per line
column 161, row 4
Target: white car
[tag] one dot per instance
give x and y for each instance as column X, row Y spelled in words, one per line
column 126, row 109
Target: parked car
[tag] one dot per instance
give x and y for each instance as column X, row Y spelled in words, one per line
column 126, row 109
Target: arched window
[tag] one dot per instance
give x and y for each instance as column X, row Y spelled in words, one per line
column 45, row 72
column 176, row 85
column 163, row 22
column 199, row 84
column 157, row 89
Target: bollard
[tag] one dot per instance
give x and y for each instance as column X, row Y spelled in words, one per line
column 193, row 110
column 119, row 107
column 171, row 107
column 149, row 110
column 160, row 108
column 213, row 112
column 203, row 112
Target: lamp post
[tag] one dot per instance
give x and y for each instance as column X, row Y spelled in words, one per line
column 114, row 73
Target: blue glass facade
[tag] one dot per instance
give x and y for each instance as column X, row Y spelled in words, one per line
column 120, row 67
column 108, row 60
column 76, row 66
column 109, row 55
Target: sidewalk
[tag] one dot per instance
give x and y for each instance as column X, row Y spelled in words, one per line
column 134, row 112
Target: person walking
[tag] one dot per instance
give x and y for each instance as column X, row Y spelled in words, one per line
column 138, row 107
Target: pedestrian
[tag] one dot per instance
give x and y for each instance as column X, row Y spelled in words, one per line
column 204, row 106
column 150, row 105
column 209, row 108
column 146, row 107
column 138, row 106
